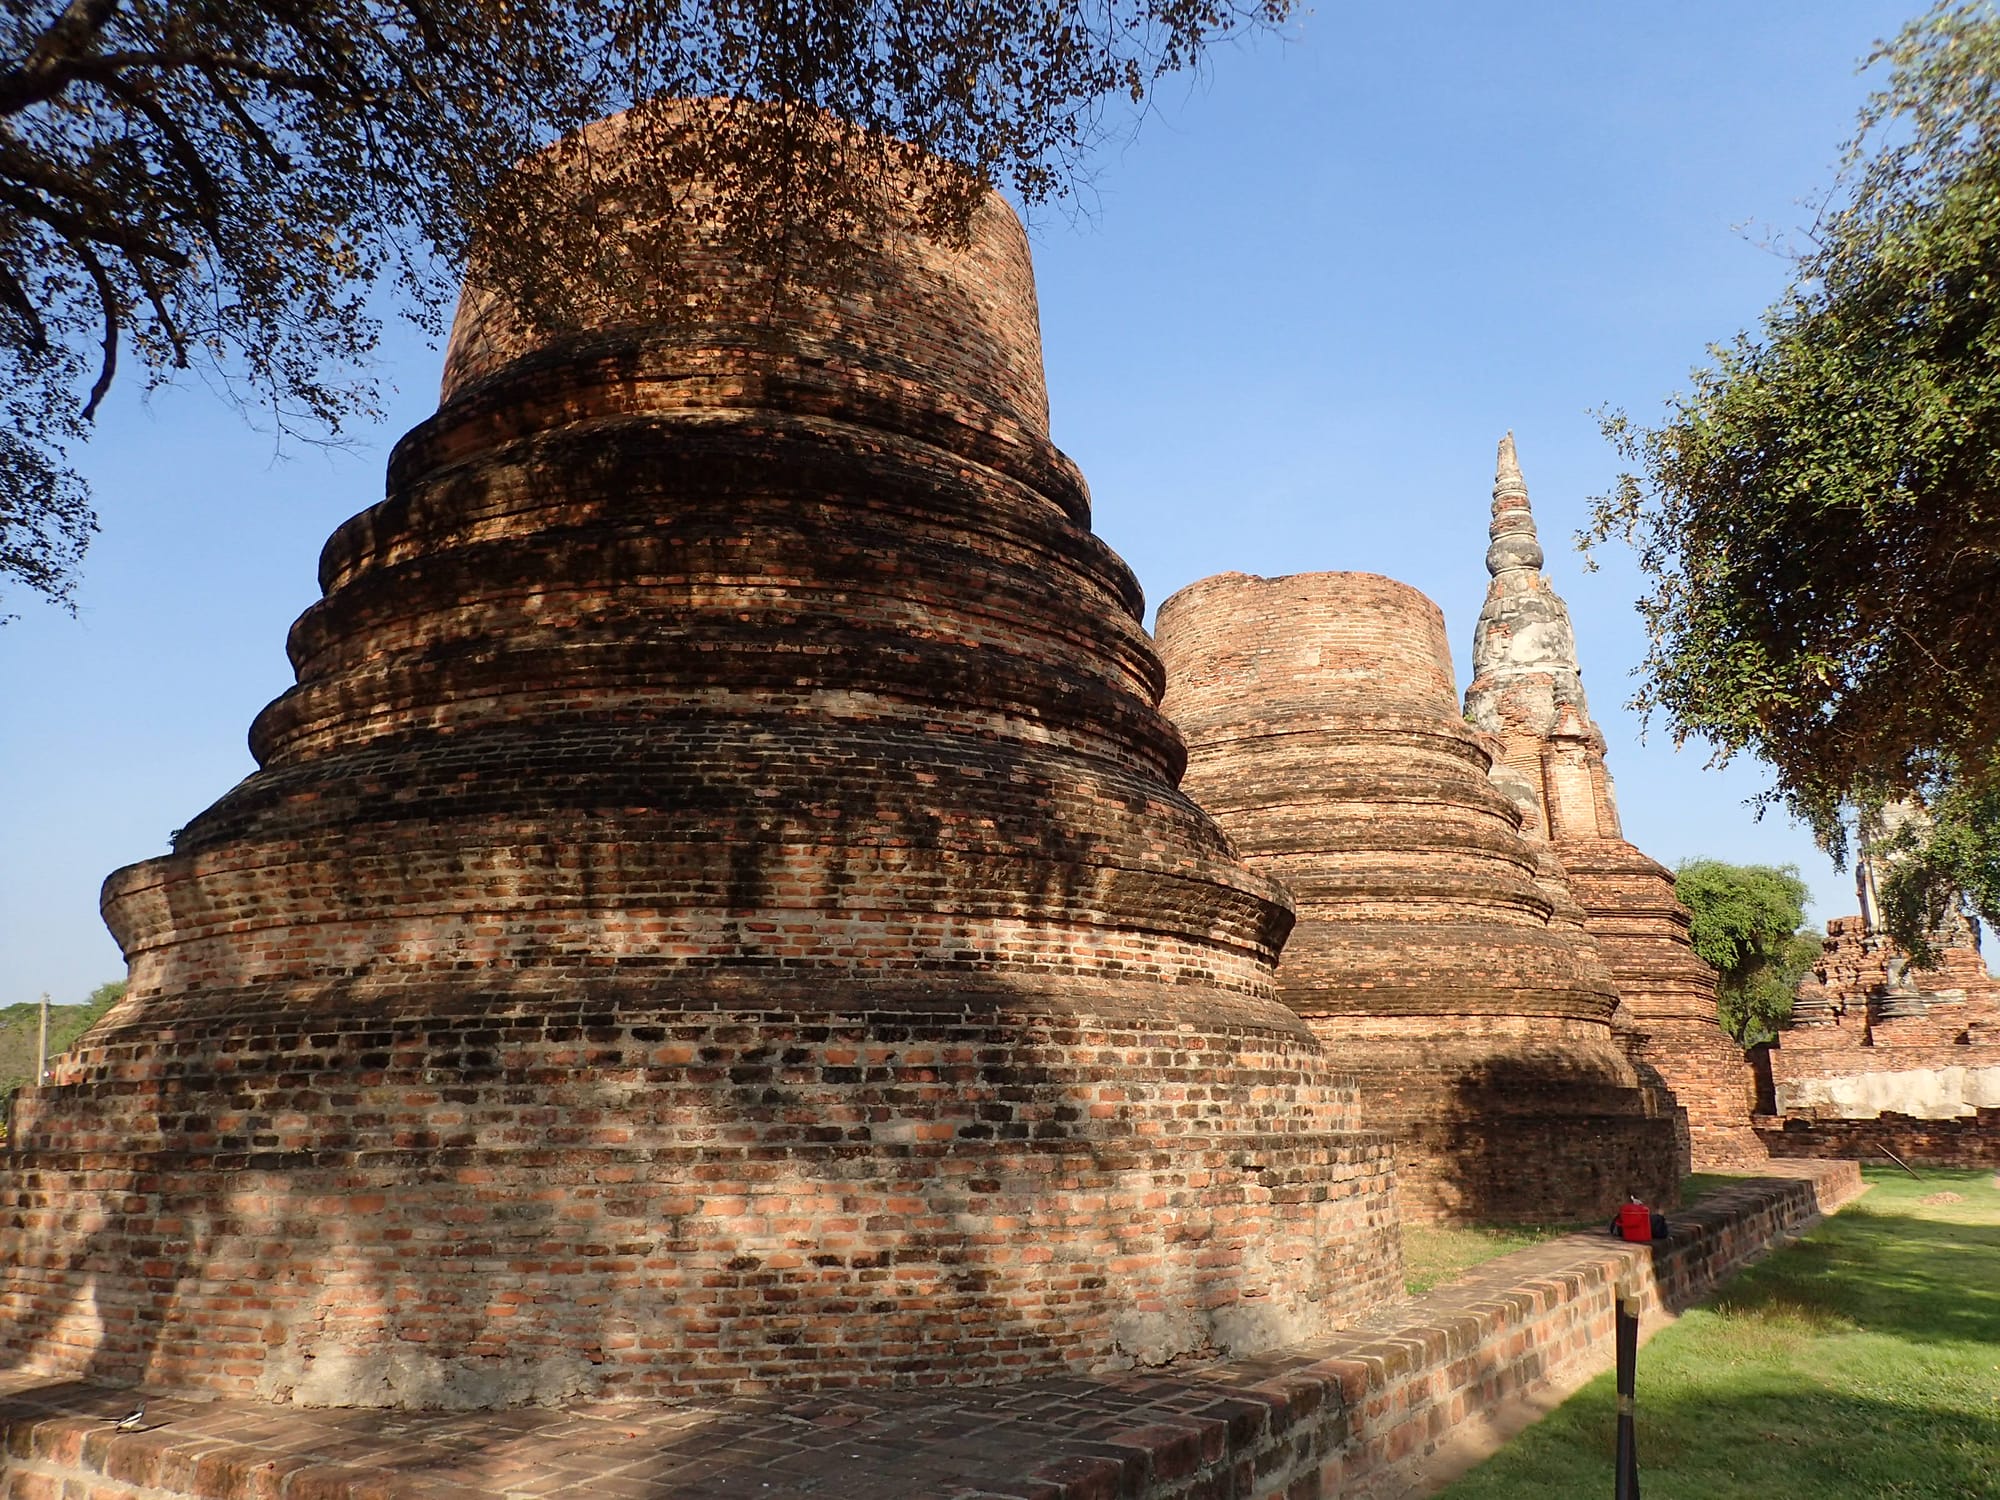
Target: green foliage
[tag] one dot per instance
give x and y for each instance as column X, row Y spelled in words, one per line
column 1859, row 1362
column 1935, row 868
column 1819, row 516
column 20, row 1026
column 217, row 184
column 1746, row 924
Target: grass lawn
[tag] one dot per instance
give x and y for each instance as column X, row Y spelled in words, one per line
column 1434, row 1253
column 1863, row 1361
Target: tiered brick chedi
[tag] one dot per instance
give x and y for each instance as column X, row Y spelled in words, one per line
column 714, row 913
column 1882, row 1053
column 1324, row 734
column 1527, row 691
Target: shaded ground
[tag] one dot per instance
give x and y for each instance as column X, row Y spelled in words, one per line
column 1864, row 1361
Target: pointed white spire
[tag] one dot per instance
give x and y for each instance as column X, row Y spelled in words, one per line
column 1507, row 470
column 1515, row 545
column 1523, row 650
column 1526, row 686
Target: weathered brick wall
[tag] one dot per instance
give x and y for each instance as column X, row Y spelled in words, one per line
column 1871, row 1037
column 1863, row 992
column 1522, row 786
column 1323, row 734
column 958, row 332
column 1375, row 1412
column 1793, row 1061
column 1863, row 1082
column 1666, row 1013
column 1830, row 1008
column 714, row 913
column 1971, row 1140
column 627, row 1199
column 1666, row 997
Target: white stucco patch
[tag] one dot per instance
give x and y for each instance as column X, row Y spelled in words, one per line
column 1924, row 1093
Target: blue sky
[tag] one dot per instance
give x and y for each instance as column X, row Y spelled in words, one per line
column 1285, row 326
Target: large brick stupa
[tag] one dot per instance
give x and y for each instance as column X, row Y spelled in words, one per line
column 1323, row 733
column 714, row 913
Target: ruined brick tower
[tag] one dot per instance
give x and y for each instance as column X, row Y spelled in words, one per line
column 1863, row 983
column 1527, row 692
column 1873, row 1035
column 1324, row 735
column 714, row 913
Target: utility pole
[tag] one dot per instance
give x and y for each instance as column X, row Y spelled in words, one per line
column 42, row 1044
column 1625, row 1483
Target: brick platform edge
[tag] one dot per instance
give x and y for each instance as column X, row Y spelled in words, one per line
column 1374, row 1412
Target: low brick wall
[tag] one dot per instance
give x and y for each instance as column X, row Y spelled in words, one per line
column 1963, row 1141
column 1373, row 1413
column 1540, row 1321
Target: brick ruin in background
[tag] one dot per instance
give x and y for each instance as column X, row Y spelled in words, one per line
column 1324, row 735
column 1527, row 692
column 1880, row 1052
column 714, row 913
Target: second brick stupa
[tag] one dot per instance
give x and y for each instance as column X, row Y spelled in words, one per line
column 1323, row 734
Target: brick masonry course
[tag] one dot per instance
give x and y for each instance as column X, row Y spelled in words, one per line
column 1881, row 1054
column 1373, row 1413
column 1970, row 1140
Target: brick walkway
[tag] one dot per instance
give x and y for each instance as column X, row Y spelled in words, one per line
column 1051, row 1440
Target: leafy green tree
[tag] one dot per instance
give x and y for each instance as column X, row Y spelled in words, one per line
column 1747, row 923
column 1819, row 516
column 1937, row 866
column 219, row 184
column 20, row 1030
column 77, row 1019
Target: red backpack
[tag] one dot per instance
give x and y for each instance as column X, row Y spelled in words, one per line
column 1634, row 1223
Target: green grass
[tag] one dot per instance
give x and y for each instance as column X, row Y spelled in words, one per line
column 1864, row 1361
column 1434, row 1253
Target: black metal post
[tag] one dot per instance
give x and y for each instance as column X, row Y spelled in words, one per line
column 1628, row 1368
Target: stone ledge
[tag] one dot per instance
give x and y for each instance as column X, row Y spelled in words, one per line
column 1383, row 1410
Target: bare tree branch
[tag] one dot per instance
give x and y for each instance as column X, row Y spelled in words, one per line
column 41, row 76
column 222, row 183
column 17, row 301
column 80, row 229
column 107, row 301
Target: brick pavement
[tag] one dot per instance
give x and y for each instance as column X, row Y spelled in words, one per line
column 870, row 1446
